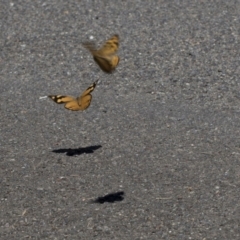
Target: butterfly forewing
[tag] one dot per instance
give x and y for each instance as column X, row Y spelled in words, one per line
column 61, row 99
column 110, row 47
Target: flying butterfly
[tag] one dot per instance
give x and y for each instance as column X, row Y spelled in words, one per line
column 75, row 104
column 106, row 56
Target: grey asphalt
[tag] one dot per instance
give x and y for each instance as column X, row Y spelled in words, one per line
column 157, row 153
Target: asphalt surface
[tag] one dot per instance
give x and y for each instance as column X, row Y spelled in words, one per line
column 155, row 156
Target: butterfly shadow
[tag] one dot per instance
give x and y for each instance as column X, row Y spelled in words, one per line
column 77, row 151
column 110, row 198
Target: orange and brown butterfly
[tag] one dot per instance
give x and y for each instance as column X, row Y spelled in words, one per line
column 106, row 56
column 75, row 104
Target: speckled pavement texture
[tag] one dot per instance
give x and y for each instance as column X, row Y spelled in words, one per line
column 155, row 156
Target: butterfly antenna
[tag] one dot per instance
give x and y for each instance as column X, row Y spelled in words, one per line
column 97, row 81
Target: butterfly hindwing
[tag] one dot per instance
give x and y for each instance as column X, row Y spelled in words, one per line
column 104, row 56
column 75, row 104
column 85, row 99
column 107, row 64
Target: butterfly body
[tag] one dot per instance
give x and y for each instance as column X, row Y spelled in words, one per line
column 75, row 104
column 105, row 57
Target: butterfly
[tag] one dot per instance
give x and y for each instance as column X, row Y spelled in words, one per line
column 105, row 56
column 75, row 104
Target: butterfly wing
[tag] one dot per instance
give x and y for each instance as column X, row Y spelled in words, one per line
column 91, row 47
column 105, row 57
column 71, row 103
column 110, row 47
column 85, row 99
column 107, row 63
